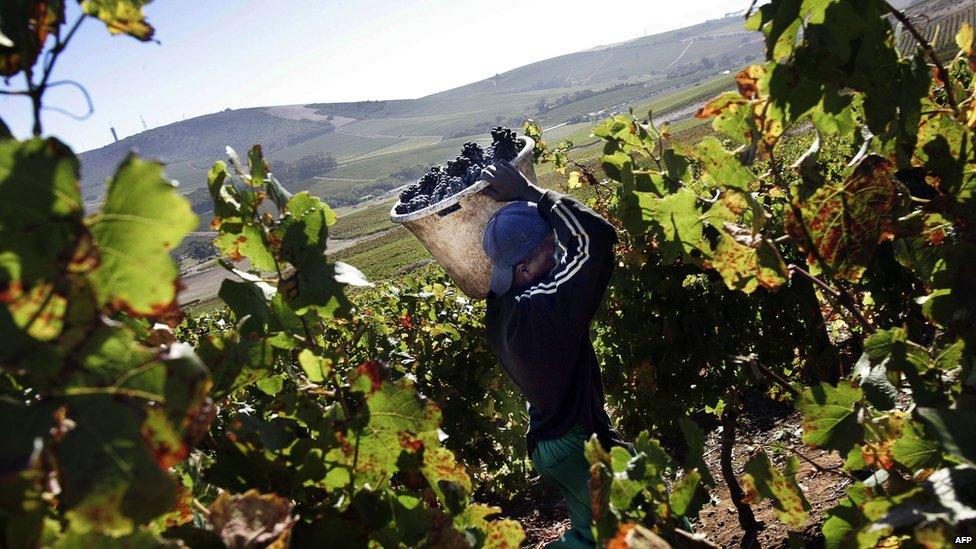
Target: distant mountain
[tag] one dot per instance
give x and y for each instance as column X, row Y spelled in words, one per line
column 199, row 141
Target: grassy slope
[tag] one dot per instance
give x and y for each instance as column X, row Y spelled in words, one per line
column 384, row 256
column 367, row 221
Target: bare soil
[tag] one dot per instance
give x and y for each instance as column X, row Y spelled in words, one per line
column 765, row 426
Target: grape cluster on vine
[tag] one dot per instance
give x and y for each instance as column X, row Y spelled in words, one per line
column 443, row 182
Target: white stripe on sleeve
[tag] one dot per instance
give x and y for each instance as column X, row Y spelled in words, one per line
column 570, row 268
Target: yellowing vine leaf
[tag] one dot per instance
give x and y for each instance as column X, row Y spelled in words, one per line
column 746, row 262
column 764, row 480
column 121, row 16
column 846, row 220
column 143, row 218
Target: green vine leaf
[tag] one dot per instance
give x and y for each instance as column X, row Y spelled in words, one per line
column 40, row 214
column 143, row 218
column 110, row 479
column 830, row 416
column 914, row 450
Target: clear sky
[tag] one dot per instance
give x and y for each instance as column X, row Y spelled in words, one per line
column 215, row 54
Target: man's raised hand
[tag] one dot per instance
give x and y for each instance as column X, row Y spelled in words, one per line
column 507, row 184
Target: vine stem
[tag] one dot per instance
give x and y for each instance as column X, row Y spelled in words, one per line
column 940, row 69
column 201, row 507
column 843, row 298
column 817, row 467
column 778, row 379
column 747, row 520
column 120, row 391
column 36, row 91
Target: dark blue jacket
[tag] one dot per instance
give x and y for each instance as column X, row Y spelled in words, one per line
column 541, row 333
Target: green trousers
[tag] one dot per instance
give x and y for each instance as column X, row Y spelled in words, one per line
column 561, row 461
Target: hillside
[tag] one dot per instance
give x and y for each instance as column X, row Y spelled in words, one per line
column 380, row 144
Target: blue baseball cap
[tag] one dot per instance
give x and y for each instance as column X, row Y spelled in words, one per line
column 510, row 236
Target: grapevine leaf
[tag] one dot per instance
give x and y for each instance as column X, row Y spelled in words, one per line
column 688, row 495
column 222, row 194
column 878, row 389
column 913, row 450
column 964, row 38
column 246, row 299
column 21, row 506
column 948, row 494
column 374, row 509
column 20, row 426
column 240, row 241
column 600, row 485
column 316, row 368
column 304, row 230
column 40, row 214
column 110, row 483
column 725, row 167
column 845, row 519
column 696, row 448
column 893, row 349
column 504, row 534
column 623, row 491
column 830, row 416
column 847, row 220
column 252, row 519
column 945, row 149
column 746, row 262
column 258, row 165
column 953, row 429
column 574, row 182
column 271, row 386
column 398, row 418
column 764, row 480
column 112, row 357
column 142, row 219
column 450, row 481
column 779, row 22
column 121, row 16
column 234, row 364
column 679, row 224
column 25, row 26
column 734, row 117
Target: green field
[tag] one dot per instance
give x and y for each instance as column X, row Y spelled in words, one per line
column 367, row 221
column 384, row 256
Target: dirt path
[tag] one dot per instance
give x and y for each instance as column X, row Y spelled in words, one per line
column 767, row 431
column 680, row 55
column 597, row 69
column 370, row 135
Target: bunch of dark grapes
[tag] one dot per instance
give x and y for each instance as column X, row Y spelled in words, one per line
column 504, row 143
column 443, row 182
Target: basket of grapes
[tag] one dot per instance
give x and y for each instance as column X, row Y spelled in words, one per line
column 448, row 208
